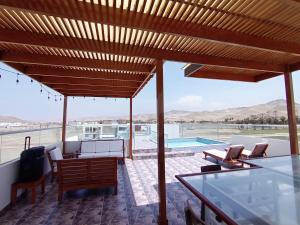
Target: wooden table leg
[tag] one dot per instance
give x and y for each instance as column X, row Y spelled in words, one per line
column 13, row 194
column 33, row 194
column 43, row 185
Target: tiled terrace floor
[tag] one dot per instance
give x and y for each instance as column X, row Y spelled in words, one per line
column 136, row 202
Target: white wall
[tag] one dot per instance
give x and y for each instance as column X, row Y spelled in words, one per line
column 9, row 175
column 276, row 147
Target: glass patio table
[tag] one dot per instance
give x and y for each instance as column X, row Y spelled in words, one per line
column 266, row 194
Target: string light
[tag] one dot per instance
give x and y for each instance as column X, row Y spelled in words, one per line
column 17, row 81
column 42, row 88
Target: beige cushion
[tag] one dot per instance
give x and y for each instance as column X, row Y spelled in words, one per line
column 246, row 152
column 218, row 153
column 56, row 154
column 88, row 147
column 102, row 146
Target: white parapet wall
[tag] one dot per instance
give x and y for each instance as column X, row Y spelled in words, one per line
column 276, row 147
column 9, row 175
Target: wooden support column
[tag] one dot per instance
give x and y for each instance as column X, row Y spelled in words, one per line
column 130, row 129
column 64, row 123
column 292, row 120
column 162, row 218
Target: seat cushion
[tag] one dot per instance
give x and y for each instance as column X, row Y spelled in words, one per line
column 215, row 153
column 102, row 146
column 56, row 154
column 116, row 146
column 88, row 147
column 246, row 152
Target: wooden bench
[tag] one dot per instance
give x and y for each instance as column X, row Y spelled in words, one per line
column 87, row 173
column 27, row 185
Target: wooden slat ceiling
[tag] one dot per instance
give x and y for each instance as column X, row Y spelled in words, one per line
column 109, row 47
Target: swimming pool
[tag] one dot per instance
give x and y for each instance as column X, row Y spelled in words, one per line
column 190, row 142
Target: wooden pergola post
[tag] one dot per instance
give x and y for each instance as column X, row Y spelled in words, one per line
column 292, row 120
column 162, row 218
column 130, row 129
column 64, row 123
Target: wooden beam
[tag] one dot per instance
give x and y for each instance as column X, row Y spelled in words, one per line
column 125, row 18
column 70, row 43
column 162, row 218
column 295, row 67
column 84, row 81
column 144, row 82
column 64, row 122
column 291, row 112
column 100, row 92
column 100, row 96
column 83, row 74
column 222, row 76
column 130, row 129
column 51, row 60
column 265, row 76
column 77, row 87
column 191, row 69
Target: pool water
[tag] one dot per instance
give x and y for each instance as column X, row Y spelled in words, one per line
column 190, row 142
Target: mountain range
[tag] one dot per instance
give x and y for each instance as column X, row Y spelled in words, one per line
column 276, row 108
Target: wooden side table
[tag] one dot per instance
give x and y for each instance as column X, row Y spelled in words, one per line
column 27, row 185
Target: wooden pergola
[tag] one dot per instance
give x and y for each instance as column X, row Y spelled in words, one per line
column 111, row 48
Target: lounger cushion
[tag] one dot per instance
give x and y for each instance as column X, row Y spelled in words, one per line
column 218, row 153
column 246, row 152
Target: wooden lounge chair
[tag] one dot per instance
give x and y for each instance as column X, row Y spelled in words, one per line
column 229, row 157
column 192, row 217
column 258, row 151
column 86, row 173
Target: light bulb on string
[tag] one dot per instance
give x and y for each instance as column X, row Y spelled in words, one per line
column 48, row 96
column 41, row 89
column 17, row 81
column 55, row 98
column 60, row 98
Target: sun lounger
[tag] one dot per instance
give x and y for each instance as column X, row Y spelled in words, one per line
column 229, row 157
column 258, row 151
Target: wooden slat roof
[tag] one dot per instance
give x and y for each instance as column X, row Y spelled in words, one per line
column 109, row 47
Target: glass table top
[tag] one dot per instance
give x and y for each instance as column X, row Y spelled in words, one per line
column 289, row 165
column 269, row 195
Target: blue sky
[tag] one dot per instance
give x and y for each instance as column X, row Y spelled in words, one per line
column 25, row 101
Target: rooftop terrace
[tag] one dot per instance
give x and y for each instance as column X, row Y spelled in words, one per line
column 135, row 204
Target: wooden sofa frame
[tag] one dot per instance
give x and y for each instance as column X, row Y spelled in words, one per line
column 86, row 173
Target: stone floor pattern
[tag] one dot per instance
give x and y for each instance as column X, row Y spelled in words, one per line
column 135, row 204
